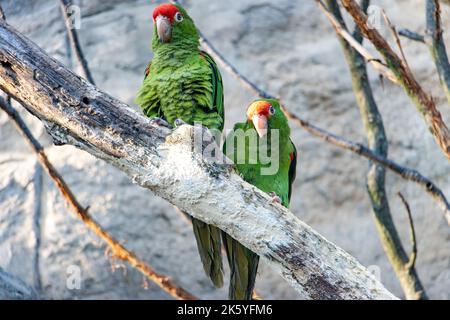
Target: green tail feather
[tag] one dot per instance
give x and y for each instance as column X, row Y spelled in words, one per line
column 243, row 268
column 209, row 246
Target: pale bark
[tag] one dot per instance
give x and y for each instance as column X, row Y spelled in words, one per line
column 75, row 112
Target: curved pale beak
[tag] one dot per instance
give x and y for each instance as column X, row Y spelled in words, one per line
column 260, row 123
column 164, row 29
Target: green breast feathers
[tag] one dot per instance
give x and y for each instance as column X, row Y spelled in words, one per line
column 189, row 89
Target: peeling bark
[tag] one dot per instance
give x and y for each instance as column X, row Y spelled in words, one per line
column 75, row 112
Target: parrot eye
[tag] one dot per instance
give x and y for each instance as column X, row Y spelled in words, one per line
column 178, row 17
column 272, row 110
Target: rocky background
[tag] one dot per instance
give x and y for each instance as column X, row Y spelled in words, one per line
column 288, row 48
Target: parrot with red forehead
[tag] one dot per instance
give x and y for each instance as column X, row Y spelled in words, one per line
column 263, row 117
column 183, row 84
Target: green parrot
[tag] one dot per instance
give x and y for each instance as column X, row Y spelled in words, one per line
column 183, row 84
column 263, row 116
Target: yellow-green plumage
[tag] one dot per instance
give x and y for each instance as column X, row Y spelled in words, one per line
column 184, row 83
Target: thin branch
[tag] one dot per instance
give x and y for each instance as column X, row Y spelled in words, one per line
column 397, row 39
column 411, row 35
column 376, row 136
column 424, row 103
column 74, row 41
column 375, row 62
column 37, row 215
column 164, row 161
column 118, row 251
column 361, row 150
column 357, row 148
column 412, row 259
column 436, row 44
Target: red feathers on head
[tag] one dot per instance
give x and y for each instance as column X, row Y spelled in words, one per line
column 168, row 10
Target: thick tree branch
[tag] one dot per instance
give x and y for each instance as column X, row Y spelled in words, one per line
column 163, row 161
column 422, row 100
column 376, row 136
column 74, row 41
column 436, row 44
column 357, row 148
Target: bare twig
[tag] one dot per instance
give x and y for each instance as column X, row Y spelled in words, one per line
column 397, row 40
column 361, row 150
column 376, row 63
column 412, row 258
column 357, row 148
column 424, row 103
column 74, row 41
column 118, row 250
column 436, row 44
column 37, row 214
column 376, row 137
column 411, row 35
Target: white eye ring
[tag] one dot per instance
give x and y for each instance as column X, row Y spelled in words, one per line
column 178, row 17
column 272, row 110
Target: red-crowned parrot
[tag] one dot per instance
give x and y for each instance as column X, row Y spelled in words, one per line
column 183, row 83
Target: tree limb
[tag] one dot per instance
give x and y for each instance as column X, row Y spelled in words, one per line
column 356, row 44
column 412, row 258
column 117, row 250
column 163, row 161
column 436, row 44
column 74, row 41
column 411, row 35
column 422, row 100
column 376, row 136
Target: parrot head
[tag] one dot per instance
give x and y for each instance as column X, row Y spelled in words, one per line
column 173, row 26
column 266, row 114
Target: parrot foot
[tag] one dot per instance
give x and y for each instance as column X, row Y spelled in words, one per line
column 160, row 122
column 179, row 122
column 275, row 198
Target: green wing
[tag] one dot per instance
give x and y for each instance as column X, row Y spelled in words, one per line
column 209, row 245
column 242, row 261
column 209, row 237
column 243, row 269
column 217, row 86
column 148, row 99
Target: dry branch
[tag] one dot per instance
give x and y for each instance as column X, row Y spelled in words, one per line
column 422, row 100
column 163, row 161
column 376, row 63
column 376, row 136
column 412, row 258
column 74, row 41
column 411, row 35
